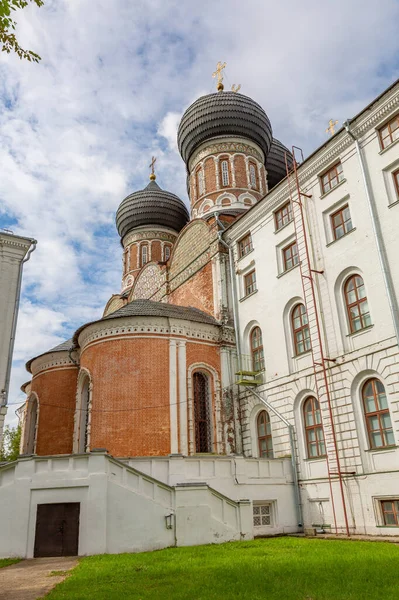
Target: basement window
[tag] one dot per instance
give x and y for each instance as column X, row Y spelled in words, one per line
column 262, row 515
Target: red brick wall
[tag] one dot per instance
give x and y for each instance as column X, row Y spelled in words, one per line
column 131, row 382
column 56, row 390
column 209, row 174
column 196, row 291
column 241, row 174
column 156, row 253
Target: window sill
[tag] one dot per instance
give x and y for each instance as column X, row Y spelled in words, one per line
column 248, row 296
column 385, row 448
column 314, row 458
column 296, row 356
column 245, row 255
column 360, row 332
column 287, row 271
column 387, row 526
column 283, row 226
column 332, row 189
column 393, row 204
column 340, row 238
column 388, row 147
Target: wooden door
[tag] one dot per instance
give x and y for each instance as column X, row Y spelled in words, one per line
column 57, row 529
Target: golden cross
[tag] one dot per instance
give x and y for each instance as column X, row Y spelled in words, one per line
column 331, row 125
column 151, row 166
column 235, row 88
column 218, row 74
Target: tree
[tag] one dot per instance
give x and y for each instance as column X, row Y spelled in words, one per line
column 7, row 27
column 10, row 445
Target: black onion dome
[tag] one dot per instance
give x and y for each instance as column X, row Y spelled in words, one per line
column 275, row 163
column 151, row 206
column 223, row 114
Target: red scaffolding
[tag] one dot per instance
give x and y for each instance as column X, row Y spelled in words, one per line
column 318, row 357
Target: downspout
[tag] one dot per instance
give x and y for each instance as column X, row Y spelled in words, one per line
column 268, row 406
column 381, row 251
column 290, row 427
column 5, row 391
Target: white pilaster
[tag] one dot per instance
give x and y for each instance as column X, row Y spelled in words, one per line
column 182, row 362
column 173, row 396
column 216, row 159
column 233, row 172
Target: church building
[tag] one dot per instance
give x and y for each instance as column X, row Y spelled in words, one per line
column 245, row 380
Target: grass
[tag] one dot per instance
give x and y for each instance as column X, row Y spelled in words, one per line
column 265, row 569
column 6, row 562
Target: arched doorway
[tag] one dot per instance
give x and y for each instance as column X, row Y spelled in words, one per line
column 202, row 413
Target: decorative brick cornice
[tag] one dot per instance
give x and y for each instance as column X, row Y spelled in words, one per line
column 234, row 145
column 52, row 360
column 149, row 234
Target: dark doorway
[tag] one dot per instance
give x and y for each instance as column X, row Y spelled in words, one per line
column 57, row 529
column 203, row 439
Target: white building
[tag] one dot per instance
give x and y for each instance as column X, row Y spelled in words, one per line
column 14, row 251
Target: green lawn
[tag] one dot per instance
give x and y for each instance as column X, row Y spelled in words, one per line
column 6, row 562
column 266, row 569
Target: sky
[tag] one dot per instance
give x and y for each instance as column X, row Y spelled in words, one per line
column 78, row 130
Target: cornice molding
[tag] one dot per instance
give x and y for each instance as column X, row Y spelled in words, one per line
column 235, row 145
column 52, row 360
column 150, row 235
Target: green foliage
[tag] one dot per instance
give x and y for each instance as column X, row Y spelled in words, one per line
column 10, row 445
column 7, row 26
column 283, row 568
column 6, row 562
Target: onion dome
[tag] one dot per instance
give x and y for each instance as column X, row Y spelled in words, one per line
column 220, row 115
column 275, row 163
column 151, row 206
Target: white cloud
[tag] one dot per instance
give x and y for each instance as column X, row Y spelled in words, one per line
column 79, row 129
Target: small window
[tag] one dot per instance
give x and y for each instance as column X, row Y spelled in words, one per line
column 144, row 254
column 390, row 132
column 283, row 215
column 313, row 428
column 225, row 172
column 167, row 253
column 252, row 175
column 245, row 245
column 395, row 176
column 356, row 304
column 250, row 283
column 262, row 515
column 200, row 182
column 300, row 330
column 390, row 512
column 341, row 222
column 265, row 440
column 290, row 256
column 331, row 178
column 258, row 359
column 376, row 411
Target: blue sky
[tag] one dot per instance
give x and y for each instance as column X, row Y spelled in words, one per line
column 79, row 129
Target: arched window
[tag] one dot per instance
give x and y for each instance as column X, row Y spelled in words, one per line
column 265, row 441
column 258, row 359
column 252, row 175
column 300, row 330
column 313, row 428
column 247, row 202
column 83, row 416
column 31, row 425
column 356, row 304
column 225, row 172
column 376, row 411
column 167, row 253
column 200, row 182
column 226, row 202
column 144, row 254
column 202, row 413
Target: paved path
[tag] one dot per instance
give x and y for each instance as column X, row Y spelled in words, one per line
column 29, row 579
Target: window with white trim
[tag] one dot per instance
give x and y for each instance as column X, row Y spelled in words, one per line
column 167, row 253
column 262, row 515
column 144, row 254
column 200, row 182
column 252, row 175
column 225, row 172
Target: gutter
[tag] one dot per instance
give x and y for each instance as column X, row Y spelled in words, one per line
column 4, row 393
column 375, row 222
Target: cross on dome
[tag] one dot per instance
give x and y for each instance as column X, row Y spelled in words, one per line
column 151, row 166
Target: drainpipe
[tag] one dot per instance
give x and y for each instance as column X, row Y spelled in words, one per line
column 381, row 251
column 5, row 391
column 290, row 427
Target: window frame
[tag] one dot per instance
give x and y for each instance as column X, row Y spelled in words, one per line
column 241, row 253
column 294, row 256
column 224, row 172
column 342, row 224
column 257, row 351
column 267, row 436
column 394, row 511
column 388, row 125
column 315, row 427
column 268, row 513
column 332, row 173
column 167, row 249
column 200, row 182
column 368, row 415
column 357, row 303
column 301, row 329
column 280, row 210
column 251, row 286
column 145, row 247
column 395, row 176
column 254, row 181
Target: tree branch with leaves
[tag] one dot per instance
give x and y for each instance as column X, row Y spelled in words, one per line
column 8, row 39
